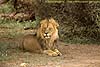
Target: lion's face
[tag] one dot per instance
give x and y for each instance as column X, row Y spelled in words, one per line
column 48, row 28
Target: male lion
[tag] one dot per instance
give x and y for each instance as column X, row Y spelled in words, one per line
column 45, row 40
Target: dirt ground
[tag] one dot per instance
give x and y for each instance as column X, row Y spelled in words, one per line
column 73, row 56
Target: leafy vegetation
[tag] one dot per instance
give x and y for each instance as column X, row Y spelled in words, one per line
column 6, row 8
column 74, row 26
column 12, row 28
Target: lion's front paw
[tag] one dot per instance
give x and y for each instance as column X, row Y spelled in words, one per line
column 50, row 53
column 58, row 52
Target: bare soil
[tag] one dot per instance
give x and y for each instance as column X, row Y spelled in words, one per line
column 74, row 55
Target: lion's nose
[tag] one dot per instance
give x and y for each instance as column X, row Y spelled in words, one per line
column 46, row 33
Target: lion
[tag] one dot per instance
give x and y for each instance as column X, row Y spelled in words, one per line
column 45, row 40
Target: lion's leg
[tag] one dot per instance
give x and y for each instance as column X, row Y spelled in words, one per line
column 50, row 53
column 55, row 48
column 58, row 52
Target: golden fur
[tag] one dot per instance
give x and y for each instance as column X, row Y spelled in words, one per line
column 45, row 40
column 30, row 43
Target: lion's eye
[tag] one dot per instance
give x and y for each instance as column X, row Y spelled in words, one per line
column 44, row 29
column 50, row 29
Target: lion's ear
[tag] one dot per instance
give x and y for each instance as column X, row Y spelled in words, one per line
column 41, row 22
column 54, row 22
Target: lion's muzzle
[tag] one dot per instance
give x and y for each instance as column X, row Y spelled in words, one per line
column 47, row 35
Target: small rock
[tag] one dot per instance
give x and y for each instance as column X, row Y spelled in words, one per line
column 23, row 64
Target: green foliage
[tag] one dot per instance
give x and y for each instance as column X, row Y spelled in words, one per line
column 81, row 40
column 6, row 50
column 76, row 19
column 29, row 23
column 3, row 51
column 79, row 22
column 6, row 8
column 14, row 28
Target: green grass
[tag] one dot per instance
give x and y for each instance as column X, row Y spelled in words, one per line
column 12, row 28
column 7, row 50
column 6, row 8
column 81, row 40
column 3, row 51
